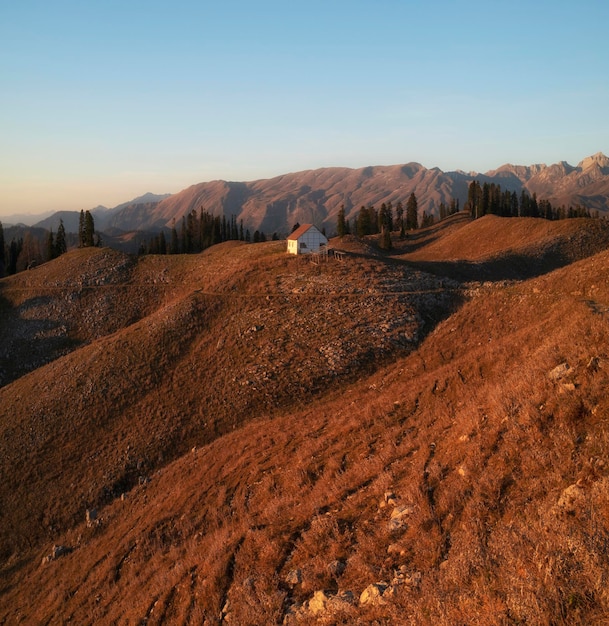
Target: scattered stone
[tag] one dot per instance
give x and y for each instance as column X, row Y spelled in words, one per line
column 405, row 577
column 390, row 498
column 571, row 499
column 593, row 364
column 337, row 568
column 560, row 371
column 396, row 548
column 91, row 517
column 294, row 577
column 398, row 516
column 56, row 553
column 373, row 594
column 317, row 604
column 341, row 599
column 225, row 615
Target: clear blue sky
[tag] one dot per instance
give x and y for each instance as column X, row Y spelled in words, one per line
column 103, row 101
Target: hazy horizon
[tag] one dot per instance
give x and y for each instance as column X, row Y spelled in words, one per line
column 104, row 104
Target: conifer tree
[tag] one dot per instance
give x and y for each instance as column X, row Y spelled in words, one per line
column 341, row 223
column 363, row 225
column 174, row 246
column 474, row 198
column 60, row 240
column 399, row 215
column 81, row 229
column 412, row 218
column 50, row 252
column 385, row 239
column 14, row 250
column 89, row 230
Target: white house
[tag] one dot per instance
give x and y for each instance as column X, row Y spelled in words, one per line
column 306, row 239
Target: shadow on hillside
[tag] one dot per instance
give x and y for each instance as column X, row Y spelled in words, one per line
column 28, row 341
column 414, row 240
column 504, row 267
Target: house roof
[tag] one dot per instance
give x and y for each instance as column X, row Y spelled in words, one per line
column 301, row 230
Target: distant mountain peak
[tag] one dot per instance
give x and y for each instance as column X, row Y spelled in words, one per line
column 596, row 159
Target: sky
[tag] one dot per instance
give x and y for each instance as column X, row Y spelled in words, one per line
column 101, row 102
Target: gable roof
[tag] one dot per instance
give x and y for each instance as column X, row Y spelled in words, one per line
column 301, row 230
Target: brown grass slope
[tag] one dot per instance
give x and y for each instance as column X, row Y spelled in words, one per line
column 497, row 458
column 495, row 248
column 232, row 334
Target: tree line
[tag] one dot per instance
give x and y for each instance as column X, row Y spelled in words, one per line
column 490, row 199
column 37, row 246
column 199, row 231
column 385, row 220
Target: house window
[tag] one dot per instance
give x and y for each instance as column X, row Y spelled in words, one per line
column 303, row 244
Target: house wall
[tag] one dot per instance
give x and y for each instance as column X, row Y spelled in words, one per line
column 307, row 242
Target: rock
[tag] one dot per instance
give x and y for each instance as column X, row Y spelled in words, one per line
column 294, row 577
column 571, row 499
column 59, row 551
column 373, row 594
column 317, row 604
column 396, row 548
column 337, row 568
column 91, row 517
column 594, row 364
column 398, row 516
column 225, row 615
column 56, row 553
column 404, row 577
column 390, row 498
column 560, row 371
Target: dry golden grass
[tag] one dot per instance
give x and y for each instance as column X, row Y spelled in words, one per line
column 500, row 464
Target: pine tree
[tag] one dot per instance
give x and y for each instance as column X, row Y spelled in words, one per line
column 363, row 225
column 385, row 239
column 50, row 252
column 173, row 239
column 399, row 215
column 14, row 250
column 341, row 223
column 474, row 198
column 89, row 230
column 162, row 243
column 81, row 229
column 412, row 216
column 61, row 246
column 385, row 218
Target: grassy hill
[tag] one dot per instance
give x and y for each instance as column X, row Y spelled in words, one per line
column 399, row 438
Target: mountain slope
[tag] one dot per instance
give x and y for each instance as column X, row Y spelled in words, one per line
column 316, row 195
column 303, row 432
column 276, row 204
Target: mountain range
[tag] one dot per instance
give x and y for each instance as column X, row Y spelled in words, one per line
column 315, row 196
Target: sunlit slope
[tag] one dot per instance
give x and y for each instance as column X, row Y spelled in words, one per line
column 492, row 248
column 220, row 339
column 468, row 477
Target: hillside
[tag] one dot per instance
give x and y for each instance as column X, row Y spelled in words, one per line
column 415, row 437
